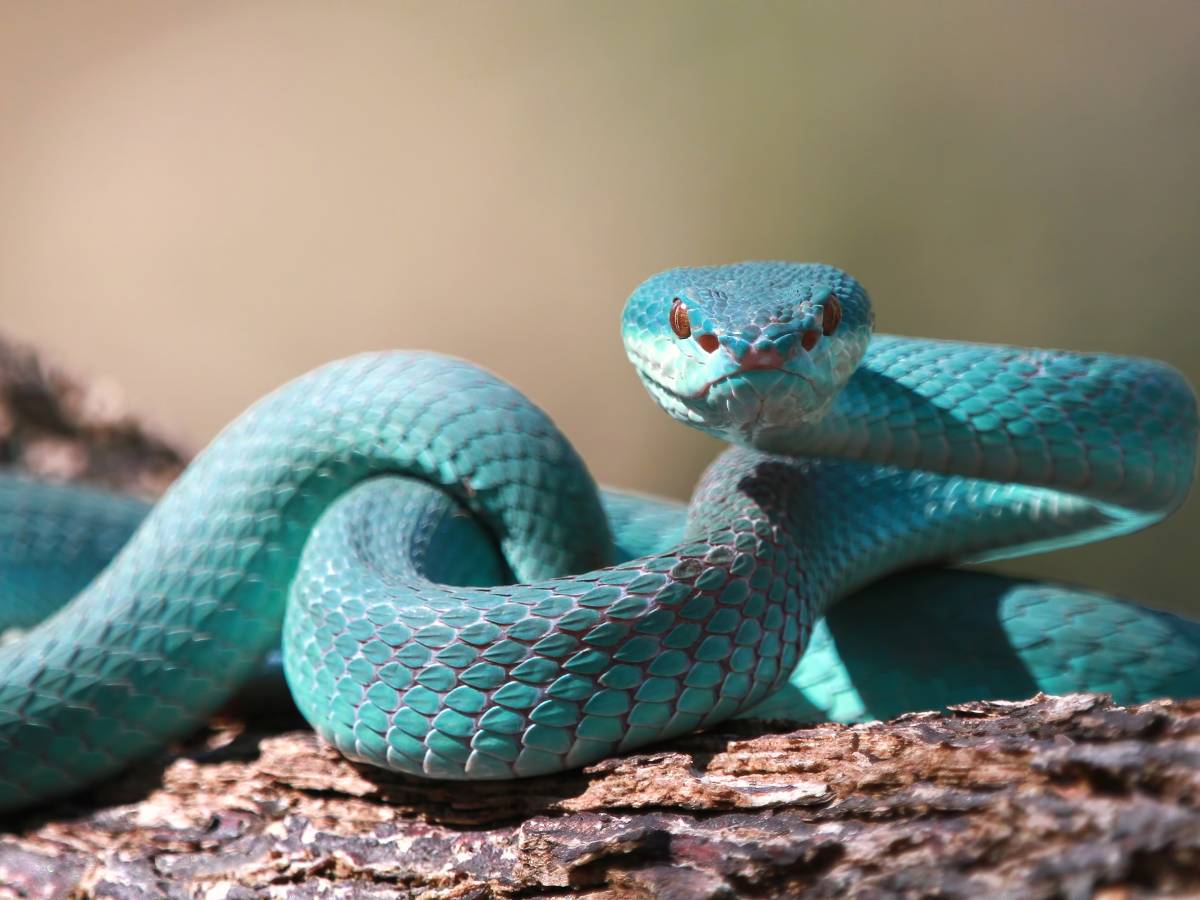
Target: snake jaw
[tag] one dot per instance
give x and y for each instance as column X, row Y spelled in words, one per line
column 741, row 392
column 730, row 379
column 746, row 403
column 741, row 404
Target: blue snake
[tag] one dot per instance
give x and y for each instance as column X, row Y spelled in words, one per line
column 456, row 599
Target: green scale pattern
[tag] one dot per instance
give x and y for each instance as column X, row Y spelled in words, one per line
column 409, row 525
column 512, row 681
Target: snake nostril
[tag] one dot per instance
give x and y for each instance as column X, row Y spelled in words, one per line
column 810, row 339
column 708, row 342
column 763, row 355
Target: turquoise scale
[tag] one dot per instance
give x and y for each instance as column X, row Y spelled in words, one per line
column 455, row 599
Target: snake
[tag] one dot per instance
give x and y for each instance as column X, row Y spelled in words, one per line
column 452, row 596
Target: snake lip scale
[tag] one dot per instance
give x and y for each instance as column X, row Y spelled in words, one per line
column 452, row 596
column 732, row 377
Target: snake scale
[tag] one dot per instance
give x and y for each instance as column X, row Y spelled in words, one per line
column 456, row 598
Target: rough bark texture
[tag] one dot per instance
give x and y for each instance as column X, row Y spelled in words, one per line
column 61, row 428
column 1051, row 797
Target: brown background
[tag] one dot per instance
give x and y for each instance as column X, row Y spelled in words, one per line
column 202, row 200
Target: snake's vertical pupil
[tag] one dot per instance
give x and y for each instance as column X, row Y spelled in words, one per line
column 680, row 323
column 831, row 316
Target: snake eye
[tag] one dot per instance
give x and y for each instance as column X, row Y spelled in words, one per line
column 831, row 316
column 680, row 323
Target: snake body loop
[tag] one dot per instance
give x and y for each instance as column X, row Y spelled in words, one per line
column 368, row 511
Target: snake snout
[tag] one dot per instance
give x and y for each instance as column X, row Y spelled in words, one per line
column 763, row 355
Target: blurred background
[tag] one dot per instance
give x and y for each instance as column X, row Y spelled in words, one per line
column 200, row 201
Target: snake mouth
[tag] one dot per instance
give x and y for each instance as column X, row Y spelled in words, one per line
column 703, row 394
column 750, row 376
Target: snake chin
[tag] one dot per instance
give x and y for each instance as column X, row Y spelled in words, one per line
column 751, row 379
column 745, row 404
column 740, row 406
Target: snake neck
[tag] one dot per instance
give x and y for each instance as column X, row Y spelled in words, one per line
column 1115, row 430
column 1115, row 434
column 939, row 451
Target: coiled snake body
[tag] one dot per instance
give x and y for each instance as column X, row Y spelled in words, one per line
column 367, row 511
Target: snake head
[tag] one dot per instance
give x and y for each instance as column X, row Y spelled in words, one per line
column 740, row 350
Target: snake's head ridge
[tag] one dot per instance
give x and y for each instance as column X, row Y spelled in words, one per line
column 738, row 350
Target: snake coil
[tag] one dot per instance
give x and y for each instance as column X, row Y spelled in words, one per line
column 456, row 598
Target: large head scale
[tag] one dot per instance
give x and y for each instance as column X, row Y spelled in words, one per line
column 741, row 350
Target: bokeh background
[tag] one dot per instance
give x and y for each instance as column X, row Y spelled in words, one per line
column 199, row 201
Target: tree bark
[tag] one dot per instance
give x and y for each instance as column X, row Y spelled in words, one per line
column 1049, row 797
